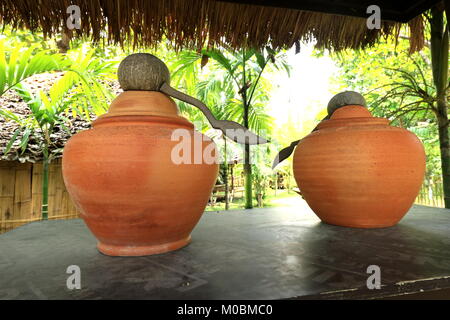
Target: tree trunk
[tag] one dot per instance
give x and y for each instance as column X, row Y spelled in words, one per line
column 439, row 46
column 276, row 183
column 232, row 176
column 444, row 143
column 247, row 165
column 227, row 205
column 45, row 185
column 64, row 44
column 260, row 200
column 247, row 168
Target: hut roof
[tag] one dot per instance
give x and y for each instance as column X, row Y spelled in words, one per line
column 399, row 10
column 210, row 23
column 12, row 102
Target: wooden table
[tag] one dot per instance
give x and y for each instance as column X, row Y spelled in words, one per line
column 274, row 253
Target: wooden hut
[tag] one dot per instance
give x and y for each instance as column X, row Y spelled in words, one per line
column 21, row 170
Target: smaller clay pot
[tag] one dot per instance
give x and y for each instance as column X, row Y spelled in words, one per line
column 357, row 171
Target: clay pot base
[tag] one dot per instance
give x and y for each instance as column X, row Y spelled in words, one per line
column 133, row 251
column 361, row 225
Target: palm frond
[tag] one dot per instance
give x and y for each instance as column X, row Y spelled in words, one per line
column 20, row 63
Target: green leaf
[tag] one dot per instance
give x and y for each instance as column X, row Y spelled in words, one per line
column 25, row 57
column 10, row 115
column 260, row 59
column 12, row 66
column 11, row 141
column 25, row 139
column 220, row 58
column 3, row 68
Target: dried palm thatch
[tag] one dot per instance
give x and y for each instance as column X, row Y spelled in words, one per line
column 195, row 24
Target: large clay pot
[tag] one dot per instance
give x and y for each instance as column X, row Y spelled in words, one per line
column 357, row 171
column 133, row 197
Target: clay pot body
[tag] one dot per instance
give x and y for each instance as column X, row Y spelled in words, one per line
column 357, row 171
column 131, row 194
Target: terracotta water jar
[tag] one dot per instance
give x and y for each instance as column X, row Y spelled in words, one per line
column 356, row 170
column 121, row 175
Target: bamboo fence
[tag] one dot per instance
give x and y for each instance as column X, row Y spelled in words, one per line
column 21, row 194
column 431, row 195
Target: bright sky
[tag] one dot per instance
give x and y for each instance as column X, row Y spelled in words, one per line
column 306, row 92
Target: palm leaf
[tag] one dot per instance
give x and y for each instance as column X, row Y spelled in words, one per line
column 9, row 115
column 22, row 64
column 25, row 138
column 220, row 58
column 11, row 141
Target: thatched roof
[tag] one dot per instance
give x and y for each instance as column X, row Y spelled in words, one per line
column 200, row 23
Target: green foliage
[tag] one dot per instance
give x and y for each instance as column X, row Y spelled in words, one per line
column 396, row 84
column 78, row 91
column 83, row 77
column 21, row 62
column 217, row 78
column 262, row 174
column 429, row 136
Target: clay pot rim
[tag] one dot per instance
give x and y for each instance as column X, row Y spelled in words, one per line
column 123, row 119
column 350, row 122
column 353, row 115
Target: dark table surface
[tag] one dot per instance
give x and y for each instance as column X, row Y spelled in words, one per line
column 273, row 253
